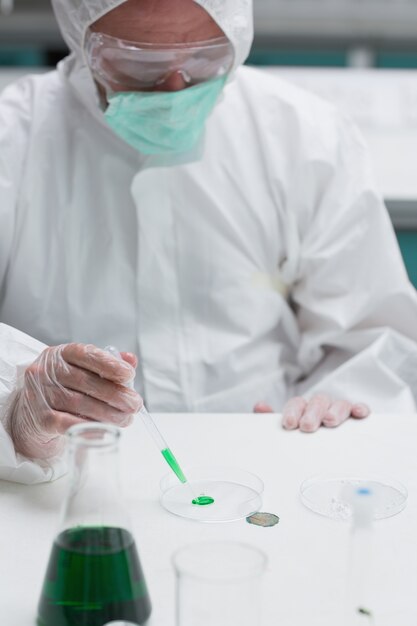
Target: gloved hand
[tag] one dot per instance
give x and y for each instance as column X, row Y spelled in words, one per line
column 67, row 385
column 309, row 415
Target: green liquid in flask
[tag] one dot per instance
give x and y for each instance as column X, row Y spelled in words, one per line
column 94, row 576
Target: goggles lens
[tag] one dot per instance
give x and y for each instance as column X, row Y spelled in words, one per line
column 123, row 65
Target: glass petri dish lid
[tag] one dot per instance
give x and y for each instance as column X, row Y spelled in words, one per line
column 332, row 495
column 236, row 494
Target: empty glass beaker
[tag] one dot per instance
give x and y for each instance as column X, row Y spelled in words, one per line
column 94, row 575
column 219, row 584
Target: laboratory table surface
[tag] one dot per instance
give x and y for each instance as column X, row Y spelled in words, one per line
column 306, row 576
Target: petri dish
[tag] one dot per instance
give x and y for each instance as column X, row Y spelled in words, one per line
column 332, row 495
column 236, row 493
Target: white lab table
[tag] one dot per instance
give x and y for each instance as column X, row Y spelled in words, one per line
column 305, row 581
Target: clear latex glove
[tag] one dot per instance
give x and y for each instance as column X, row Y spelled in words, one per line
column 320, row 410
column 66, row 385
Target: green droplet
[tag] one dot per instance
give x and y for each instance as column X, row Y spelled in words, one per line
column 203, row 500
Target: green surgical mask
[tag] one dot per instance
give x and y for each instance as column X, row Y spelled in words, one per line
column 163, row 122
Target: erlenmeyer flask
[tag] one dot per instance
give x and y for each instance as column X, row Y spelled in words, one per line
column 94, row 574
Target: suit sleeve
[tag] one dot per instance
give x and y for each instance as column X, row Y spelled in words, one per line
column 17, row 350
column 355, row 306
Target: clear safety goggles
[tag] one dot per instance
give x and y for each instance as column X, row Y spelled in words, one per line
column 123, row 65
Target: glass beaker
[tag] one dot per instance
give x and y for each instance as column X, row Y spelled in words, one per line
column 94, row 574
column 219, row 584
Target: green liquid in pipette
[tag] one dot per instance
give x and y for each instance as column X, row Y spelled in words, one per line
column 174, row 465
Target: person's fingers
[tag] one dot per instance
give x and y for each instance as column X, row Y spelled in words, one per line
column 118, row 396
column 262, row 407
column 130, row 358
column 337, row 413
column 100, row 362
column 360, row 410
column 292, row 412
column 80, row 405
column 314, row 413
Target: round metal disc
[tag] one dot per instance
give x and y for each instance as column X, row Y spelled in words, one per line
column 266, row 520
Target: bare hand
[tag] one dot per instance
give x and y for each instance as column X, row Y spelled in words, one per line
column 320, row 410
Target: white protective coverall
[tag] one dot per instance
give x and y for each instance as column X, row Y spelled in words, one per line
column 265, row 268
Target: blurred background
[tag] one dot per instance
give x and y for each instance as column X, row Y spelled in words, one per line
column 362, row 54
column 330, row 33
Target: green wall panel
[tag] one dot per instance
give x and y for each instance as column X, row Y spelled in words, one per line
column 305, row 58
column 14, row 57
column 397, row 60
column 408, row 245
column 280, row 55
column 328, row 57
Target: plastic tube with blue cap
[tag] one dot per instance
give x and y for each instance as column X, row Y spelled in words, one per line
column 358, row 611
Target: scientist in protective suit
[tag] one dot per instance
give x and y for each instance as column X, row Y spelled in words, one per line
column 217, row 222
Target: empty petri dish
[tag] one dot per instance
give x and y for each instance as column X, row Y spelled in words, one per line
column 236, row 494
column 332, row 496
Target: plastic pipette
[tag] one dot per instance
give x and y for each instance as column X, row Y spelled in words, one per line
column 154, row 432
column 162, row 445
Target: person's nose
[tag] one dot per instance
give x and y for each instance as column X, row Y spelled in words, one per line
column 174, row 81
